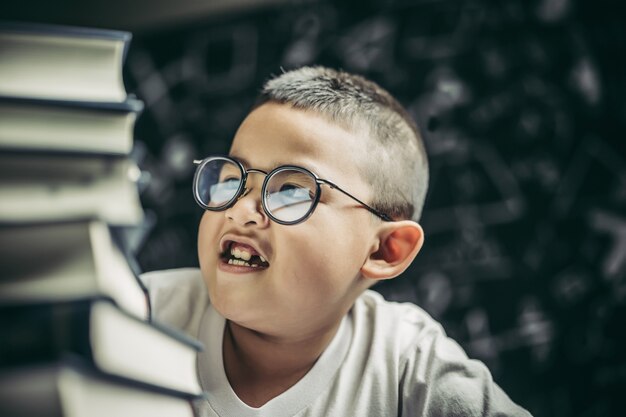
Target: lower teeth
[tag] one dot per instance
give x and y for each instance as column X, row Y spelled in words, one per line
column 241, row 263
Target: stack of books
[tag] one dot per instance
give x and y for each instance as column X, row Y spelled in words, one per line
column 77, row 339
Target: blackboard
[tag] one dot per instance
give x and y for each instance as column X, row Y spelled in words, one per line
column 522, row 106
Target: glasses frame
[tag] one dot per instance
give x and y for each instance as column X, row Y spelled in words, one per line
column 241, row 191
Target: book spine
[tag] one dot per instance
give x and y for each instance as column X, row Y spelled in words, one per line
column 67, row 31
column 130, row 105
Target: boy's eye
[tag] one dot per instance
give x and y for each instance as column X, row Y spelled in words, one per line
column 285, row 188
column 288, row 195
column 295, row 192
column 229, row 172
column 223, row 191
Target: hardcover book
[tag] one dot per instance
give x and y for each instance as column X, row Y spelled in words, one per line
column 95, row 330
column 59, row 62
column 66, row 261
column 52, row 125
column 71, row 389
column 40, row 187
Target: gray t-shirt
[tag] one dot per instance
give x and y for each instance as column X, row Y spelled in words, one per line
column 387, row 359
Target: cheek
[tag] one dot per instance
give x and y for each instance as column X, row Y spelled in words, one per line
column 207, row 238
column 325, row 260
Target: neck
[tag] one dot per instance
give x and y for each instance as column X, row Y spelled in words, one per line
column 261, row 367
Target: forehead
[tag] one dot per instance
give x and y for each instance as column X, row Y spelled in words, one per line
column 277, row 134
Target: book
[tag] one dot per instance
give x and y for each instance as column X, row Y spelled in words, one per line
column 60, row 62
column 53, row 125
column 40, row 187
column 77, row 337
column 95, row 330
column 65, row 261
column 71, row 389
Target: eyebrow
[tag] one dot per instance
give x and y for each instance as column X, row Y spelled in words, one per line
column 276, row 164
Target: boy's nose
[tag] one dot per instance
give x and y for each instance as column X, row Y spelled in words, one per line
column 248, row 209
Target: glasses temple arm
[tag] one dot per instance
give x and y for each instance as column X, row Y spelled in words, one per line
column 371, row 209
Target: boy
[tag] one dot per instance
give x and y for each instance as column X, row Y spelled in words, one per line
column 318, row 200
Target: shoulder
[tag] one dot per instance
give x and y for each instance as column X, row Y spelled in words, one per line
column 178, row 297
column 168, row 278
column 387, row 335
column 404, row 324
column 434, row 375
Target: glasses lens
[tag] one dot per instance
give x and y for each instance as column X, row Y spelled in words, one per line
column 290, row 195
column 217, row 183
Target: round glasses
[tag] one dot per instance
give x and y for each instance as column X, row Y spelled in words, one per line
column 289, row 193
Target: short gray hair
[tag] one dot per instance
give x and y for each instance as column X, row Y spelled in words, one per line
column 398, row 167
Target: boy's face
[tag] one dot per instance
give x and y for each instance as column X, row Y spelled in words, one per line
column 313, row 275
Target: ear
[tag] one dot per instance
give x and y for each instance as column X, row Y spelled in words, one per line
column 398, row 244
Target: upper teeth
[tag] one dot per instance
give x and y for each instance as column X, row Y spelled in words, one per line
column 244, row 255
column 241, row 254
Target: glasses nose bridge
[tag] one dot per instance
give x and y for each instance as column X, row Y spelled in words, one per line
column 247, row 189
column 255, row 171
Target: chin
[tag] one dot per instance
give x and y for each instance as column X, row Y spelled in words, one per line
column 230, row 305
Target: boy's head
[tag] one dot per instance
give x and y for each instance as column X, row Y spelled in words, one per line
column 395, row 165
column 343, row 129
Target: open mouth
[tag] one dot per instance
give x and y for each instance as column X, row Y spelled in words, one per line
column 240, row 254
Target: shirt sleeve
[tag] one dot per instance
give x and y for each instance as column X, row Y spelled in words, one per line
column 440, row 380
column 178, row 297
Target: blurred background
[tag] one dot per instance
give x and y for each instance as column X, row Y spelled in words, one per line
column 522, row 104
